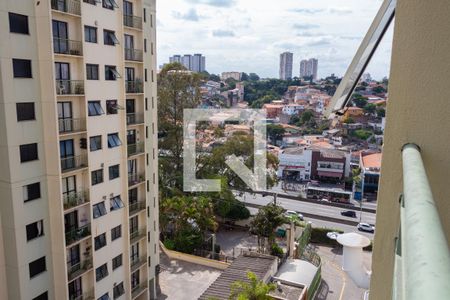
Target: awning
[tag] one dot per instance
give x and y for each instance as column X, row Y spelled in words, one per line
column 330, row 174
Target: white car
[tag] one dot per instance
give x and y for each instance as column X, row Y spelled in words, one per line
column 293, row 213
column 365, row 227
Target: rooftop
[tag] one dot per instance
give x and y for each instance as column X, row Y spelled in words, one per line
column 371, row 160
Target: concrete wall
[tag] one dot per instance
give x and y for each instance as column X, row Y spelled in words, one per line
column 417, row 112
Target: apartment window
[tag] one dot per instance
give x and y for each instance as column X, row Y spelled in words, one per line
column 95, row 108
column 113, row 140
column 35, row 230
column 153, row 102
column 115, row 203
column 146, row 103
column 111, row 73
column 109, row 37
column 93, row 2
column 97, row 176
column 21, row 68
column 117, row 261
column 90, row 34
column 18, row 23
column 151, row 48
column 43, row 296
column 95, row 143
column 110, row 4
column 145, row 75
column 118, row 290
column 37, row 267
column 114, row 172
column 105, row 296
column 145, row 45
column 32, row 192
column 153, row 76
column 99, row 210
column 25, row 111
column 91, row 72
column 145, row 15
column 111, row 107
column 146, row 132
column 100, row 241
column 100, row 273
column 116, row 233
column 28, row 152
column 151, row 20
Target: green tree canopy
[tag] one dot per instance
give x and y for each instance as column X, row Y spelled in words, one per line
column 253, row 77
column 370, row 108
column 253, row 289
column 265, row 222
column 275, row 132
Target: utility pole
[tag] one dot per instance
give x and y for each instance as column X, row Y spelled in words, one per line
column 275, row 198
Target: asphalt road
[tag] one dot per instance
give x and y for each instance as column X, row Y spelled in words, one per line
column 306, row 207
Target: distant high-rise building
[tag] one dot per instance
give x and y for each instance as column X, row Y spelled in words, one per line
column 195, row 63
column 235, row 75
column 308, row 67
column 286, row 60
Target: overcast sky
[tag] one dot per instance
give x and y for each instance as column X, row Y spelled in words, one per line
column 249, row 35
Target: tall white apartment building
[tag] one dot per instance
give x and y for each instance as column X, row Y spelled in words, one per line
column 308, row 67
column 186, row 61
column 78, row 150
column 286, row 60
column 194, row 63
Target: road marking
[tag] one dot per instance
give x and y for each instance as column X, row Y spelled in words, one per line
column 344, row 279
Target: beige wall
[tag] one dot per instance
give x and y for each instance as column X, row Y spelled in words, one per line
column 417, row 112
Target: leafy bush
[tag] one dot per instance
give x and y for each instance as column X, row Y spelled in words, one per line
column 276, row 251
column 169, row 244
column 319, row 236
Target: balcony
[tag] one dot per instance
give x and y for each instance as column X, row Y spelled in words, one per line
column 422, row 259
column 133, row 54
column 134, row 119
column 71, row 125
column 132, row 21
column 137, row 235
column 86, row 296
column 135, row 178
column 73, row 163
column 75, row 199
column 136, row 207
column 78, row 234
column 137, row 262
column 135, row 149
column 138, row 289
column 69, row 87
column 67, row 47
column 74, row 271
column 72, row 7
column 134, row 86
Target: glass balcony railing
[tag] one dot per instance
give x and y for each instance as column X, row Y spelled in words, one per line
column 133, row 119
column 136, row 207
column 422, row 258
column 69, row 87
column 76, row 270
column 138, row 289
column 132, row 21
column 134, row 149
column 73, row 163
column 77, row 234
column 134, row 86
column 133, row 54
column 75, row 199
column 68, row 47
column 135, row 178
column 137, row 234
column 71, row 125
column 67, row 6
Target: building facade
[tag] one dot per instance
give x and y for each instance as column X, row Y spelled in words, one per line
column 308, row 67
column 286, row 60
column 195, row 63
column 78, row 140
column 235, row 75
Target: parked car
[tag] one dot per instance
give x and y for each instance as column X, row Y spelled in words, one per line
column 349, row 213
column 293, row 213
column 365, row 227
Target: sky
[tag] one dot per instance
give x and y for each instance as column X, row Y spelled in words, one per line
column 249, row 35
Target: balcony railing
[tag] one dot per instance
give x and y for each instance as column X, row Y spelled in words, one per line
column 69, row 87
column 133, row 119
column 138, row 289
column 132, row 21
column 137, row 235
column 137, row 148
column 133, row 54
column 134, row 86
column 74, row 271
column 69, row 47
column 422, row 260
column 85, row 296
column 68, row 6
column 137, row 262
column 136, row 207
column 73, row 163
column 71, row 125
column 77, row 234
column 75, row 199
column 135, row 178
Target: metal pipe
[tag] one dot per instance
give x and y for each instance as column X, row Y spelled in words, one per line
column 425, row 252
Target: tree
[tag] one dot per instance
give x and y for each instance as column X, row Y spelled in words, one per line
column 254, row 289
column 265, row 222
column 359, row 100
column 306, row 116
column 370, row 108
column 381, row 112
column 253, row 77
column 244, row 76
column 379, row 89
column 231, row 82
column 275, row 132
column 362, row 134
column 214, row 77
